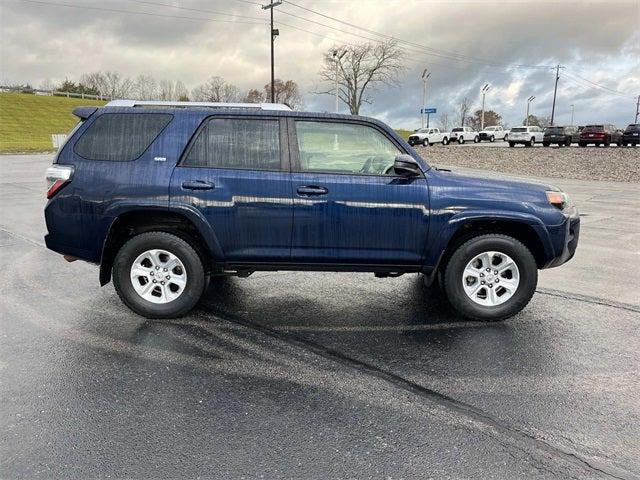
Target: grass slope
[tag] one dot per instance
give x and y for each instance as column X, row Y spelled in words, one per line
column 27, row 121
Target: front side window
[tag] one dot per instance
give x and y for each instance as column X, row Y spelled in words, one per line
column 237, row 143
column 120, row 137
column 344, row 148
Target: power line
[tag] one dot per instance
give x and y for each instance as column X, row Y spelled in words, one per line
column 129, row 12
column 597, row 85
column 168, row 5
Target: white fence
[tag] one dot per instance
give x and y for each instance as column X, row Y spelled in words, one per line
column 52, row 93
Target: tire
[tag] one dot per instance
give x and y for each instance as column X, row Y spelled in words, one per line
column 567, row 142
column 492, row 139
column 607, row 142
column 531, row 142
column 192, row 275
column 526, row 271
column 425, row 142
column 624, row 144
column 506, row 137
column 445, row 141
column 511, row 144
column 461, row 140
column 476, row 139
column 545, row 144
column 582, row 144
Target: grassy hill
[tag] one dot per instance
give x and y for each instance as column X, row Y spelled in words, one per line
column 27, row 121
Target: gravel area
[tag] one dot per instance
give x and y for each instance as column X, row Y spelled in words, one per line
column 591, row 163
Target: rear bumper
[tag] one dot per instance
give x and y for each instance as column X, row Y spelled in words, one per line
column 569, row 244
column 633, row 139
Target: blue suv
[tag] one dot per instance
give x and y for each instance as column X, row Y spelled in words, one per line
column 167, row 197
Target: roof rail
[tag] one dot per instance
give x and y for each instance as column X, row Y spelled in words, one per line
column 153, row 103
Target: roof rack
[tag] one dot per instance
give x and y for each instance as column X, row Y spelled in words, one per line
column 221, row 105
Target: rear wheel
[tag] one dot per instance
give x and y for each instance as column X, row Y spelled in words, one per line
column 158, row 275
column 511, row 144
column 490, row 277
column 607, row 141
column 582, row 144
column 492, row 138
column 506, row 137
column 445, row 141
column 567, row 142
column 461, row 140
column 476, row 139
column 545, row 144
column 425, row 142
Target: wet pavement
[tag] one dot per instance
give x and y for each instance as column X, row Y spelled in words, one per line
column 319, row 375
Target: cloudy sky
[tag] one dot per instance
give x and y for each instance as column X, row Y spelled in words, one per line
column 464, row 44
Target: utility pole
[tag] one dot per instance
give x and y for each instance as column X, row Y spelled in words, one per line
column 529, row 100
column 637, row 109
column 572, row 109
column 555, row 91
column 425, row 76
column 274, row 33
column 336, row 59
column 485, row 89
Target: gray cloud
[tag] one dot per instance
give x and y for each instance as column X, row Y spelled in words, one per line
column 595, row 40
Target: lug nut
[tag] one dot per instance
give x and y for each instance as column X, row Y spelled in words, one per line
column 490, row 285
column 167, row 277
column 151, row 273
column 155, row 281
column 164, row 269
column 488, row 269
column 496, row 272
column 162, row 283
column 481, row 283
column 497, row 280
column 482, row 274
column 157, row 268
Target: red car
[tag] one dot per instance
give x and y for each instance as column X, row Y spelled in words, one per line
column 605, row 134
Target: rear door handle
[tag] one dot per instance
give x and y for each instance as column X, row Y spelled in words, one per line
column 197, row 185
column 309, row 190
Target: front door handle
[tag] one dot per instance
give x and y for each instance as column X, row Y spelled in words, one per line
column 197, row 185
column 309, row 190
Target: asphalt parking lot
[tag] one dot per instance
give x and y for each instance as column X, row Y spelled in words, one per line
column 308, row 375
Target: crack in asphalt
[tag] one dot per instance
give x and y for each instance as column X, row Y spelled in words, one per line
column 588, row 299
column 440, row 399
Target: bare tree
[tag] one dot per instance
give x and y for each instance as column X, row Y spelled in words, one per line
column 285, row 92
column 216, row 90
column 47, row 84
column 463, row 110
column 254, row 96
column 361, row 68
column 443, row 122
column 115, row 85
column 146, row 88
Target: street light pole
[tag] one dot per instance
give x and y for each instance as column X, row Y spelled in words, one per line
column 274, row 33
column 336, row 59
column 572, row 109
column 425, row 76
column 555, row 91
column 637, row 109
column 485, row 89
column 529, row 100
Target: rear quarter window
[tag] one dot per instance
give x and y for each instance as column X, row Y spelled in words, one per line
column 120, row 137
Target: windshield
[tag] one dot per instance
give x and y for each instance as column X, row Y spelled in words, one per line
column 519, row 129
column 422, row 130
column 633, row 128
column 594, row 128
column 491, row 129
column 457, row 129
column 554, row 130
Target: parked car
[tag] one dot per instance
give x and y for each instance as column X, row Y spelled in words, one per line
column 562, row 136
column 167, row 197
column 526, row 135
column 464, row 134
column 603, row 134
column 631, row 135
column 493, row 133
column 429, row 136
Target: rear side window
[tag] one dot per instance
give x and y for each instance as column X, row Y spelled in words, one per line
column 237, row 143
column 120, row 137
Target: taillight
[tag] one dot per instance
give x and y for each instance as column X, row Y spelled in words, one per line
column 57, row 177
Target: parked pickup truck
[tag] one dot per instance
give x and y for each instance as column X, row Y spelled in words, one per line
column 464, row 134
column 429, row 136
column 167, row 197
column 493, row 133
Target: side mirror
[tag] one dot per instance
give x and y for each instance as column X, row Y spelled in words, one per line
column 406, row 166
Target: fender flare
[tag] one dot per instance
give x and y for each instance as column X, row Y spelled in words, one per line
column 189, row 212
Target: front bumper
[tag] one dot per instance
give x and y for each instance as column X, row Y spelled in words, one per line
column 571, row 228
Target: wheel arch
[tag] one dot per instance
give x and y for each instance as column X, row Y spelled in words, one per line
column 528, row 232
column 180, row 221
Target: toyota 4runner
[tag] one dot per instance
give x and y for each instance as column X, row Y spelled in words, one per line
column 166, row 196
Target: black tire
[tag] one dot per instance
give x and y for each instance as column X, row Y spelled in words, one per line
column 192, row 262
column 582, row 144
column 545, row 144
column 492, row 139
column 607, row 142
column 461, row 140
column 567, row 142
column 506, row 138
column 476, row 139
column 425, row 142
column 520, row 254
column 511, row 144
column 445, row 141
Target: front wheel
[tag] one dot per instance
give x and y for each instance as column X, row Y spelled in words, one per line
column 490, row 277
column 445, row 141
column 545, row 144
column 506, row 138
column 425, row 142
column 158, row 275
column 492, row 139
column 476, row 139
column 512, row 144
column 461, row 140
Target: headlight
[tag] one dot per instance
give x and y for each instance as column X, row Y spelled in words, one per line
column 559, row 200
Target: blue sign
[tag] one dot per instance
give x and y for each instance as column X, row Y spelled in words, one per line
column 428, row 110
